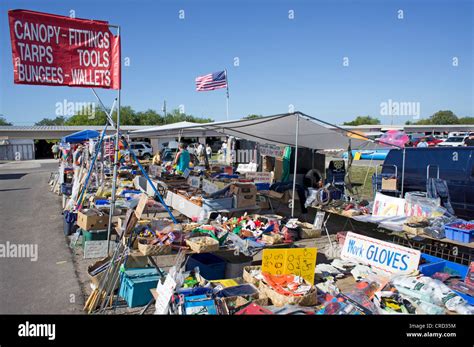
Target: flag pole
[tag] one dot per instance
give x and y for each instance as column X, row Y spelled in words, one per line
column 227, row 99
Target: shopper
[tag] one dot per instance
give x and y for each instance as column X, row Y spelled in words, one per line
column 181, row 161
column 55, row 150
column 422, row 143
column 469, row 142
column 201, row 154
column 224, row 149
column 156, row 159
column 208, row 151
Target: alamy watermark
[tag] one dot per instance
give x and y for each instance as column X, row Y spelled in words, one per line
column 400, row 108
column 28, row 329
column 20, row 250
column 68, row 108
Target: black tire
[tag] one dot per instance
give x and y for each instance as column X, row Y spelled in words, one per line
column 146, row 156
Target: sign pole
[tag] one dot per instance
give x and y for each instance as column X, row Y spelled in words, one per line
column 296, row 163
column 114, row 179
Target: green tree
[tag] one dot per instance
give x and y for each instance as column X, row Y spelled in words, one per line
column 361, row 120
column 466, row 120
column 60, row 120
column 128, row 116
column 253, row 116
column 3, row 120
column 444, row 117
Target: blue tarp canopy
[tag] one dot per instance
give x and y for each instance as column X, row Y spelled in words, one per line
column 81, row 136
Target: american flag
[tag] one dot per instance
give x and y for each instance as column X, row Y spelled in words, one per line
column 211, row 81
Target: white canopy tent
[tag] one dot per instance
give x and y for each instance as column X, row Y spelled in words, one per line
column 277, row 129
column 293, row 129
column 183, row 129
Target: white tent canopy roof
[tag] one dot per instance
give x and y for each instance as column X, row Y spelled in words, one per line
column 278, row 129
column 185, row 129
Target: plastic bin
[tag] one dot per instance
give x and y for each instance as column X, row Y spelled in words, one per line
column 66, row 188
column 262, row 186
column 135, row 285
column 235, row 264
column 457, row 234
column 436, row 264
column 69, row 220
column 93, row 235
column 211, row 267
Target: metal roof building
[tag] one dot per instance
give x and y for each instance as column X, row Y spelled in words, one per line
column 55, row 131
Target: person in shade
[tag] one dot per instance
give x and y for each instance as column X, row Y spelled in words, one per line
column 469, row 142
column 422, row 143
column 181, row 161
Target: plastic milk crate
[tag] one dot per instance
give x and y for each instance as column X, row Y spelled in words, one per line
column 136, row 284
column 457, row 234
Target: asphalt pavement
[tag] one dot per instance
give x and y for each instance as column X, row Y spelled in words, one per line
column 37, row 275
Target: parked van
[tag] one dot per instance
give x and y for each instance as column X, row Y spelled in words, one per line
column 453, row 164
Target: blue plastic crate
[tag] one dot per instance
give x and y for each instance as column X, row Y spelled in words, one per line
column 262, row 186
column 211, row 267
column 199, row 305
column 135, row 285
column 460, row 235
column 435, row 264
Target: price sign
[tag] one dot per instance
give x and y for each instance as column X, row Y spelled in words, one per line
column 284, row 261
column 95, row 249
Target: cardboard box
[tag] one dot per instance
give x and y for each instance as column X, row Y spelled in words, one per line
column 262, row 202
column 245, row 194
column 278, row 169
column 389, row 183
column 92, row 220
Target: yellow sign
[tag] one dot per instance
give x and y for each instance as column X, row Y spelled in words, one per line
column 226, row 282
column 284, row 261
column 357, row 156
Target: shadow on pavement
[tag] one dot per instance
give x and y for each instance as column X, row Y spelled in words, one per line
column 12, row 189
column 15, row 176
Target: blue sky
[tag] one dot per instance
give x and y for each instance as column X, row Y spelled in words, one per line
column 282, row 61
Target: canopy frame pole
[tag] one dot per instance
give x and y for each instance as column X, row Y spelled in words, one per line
column 114, row 179
column 107, row 114
column 295, row 164
column 98, row 148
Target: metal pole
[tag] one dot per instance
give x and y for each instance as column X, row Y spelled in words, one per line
column 227, row 98
column 403, row 172
column 114, row 179
column 296, row 163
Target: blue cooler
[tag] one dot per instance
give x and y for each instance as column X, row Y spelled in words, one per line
column 135, row 285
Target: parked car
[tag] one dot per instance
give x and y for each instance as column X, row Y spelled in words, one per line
column 168, row 154
column 414, row 138
column 142, row 149
column 453, row 164
column 454, row 141
column 431, row 140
